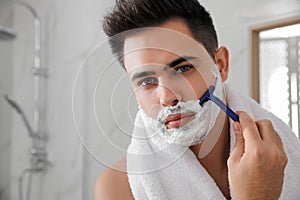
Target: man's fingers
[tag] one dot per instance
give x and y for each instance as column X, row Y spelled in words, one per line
column 250, row 131
column 266, row 131
column 279, row 142
column 238, row 149
column 269, row 134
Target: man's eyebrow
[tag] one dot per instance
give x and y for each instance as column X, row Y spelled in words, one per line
column 170, row 65
column 142, row 74
column 178, row 61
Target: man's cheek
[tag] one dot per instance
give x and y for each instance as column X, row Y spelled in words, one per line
column 153, row 110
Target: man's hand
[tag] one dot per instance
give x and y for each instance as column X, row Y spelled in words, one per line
column 257, row 162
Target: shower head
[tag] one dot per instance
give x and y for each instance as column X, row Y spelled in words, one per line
column 13, row 104
column 6, row 33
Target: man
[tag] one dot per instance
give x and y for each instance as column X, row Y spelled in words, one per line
column 174, row 62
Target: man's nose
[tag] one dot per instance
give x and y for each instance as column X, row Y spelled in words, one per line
column 168, row 96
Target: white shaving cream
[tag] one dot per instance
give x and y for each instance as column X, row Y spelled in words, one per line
column 197, row 129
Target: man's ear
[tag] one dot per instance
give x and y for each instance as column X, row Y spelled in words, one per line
column 222, row 60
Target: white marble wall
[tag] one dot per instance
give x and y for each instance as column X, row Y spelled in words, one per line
column 5, row 111
column 5, row 116
column 71, row 28
column 233, row 19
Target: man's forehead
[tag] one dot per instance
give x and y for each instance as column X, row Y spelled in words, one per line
column 159, row 64
column 179, row 43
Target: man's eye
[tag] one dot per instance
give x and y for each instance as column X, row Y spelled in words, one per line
column 183, row 68
column 148, row 81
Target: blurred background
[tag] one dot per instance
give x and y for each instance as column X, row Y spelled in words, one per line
column 53, row 82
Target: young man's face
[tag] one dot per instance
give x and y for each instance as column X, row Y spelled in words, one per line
column 166, row 66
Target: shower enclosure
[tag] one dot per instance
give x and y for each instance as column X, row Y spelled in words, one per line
column 57, row 167
column 38, row 154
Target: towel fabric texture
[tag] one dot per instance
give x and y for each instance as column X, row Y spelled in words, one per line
column 158, row 170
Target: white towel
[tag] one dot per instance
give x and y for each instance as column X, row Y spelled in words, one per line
column 173, row 172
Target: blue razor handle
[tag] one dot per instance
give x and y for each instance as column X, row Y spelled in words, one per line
column 208, row 95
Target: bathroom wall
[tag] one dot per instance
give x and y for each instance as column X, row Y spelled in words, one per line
column 5, row 116
column 5, row 112
column 70, row 29
column 233, row 19
column 82, row 132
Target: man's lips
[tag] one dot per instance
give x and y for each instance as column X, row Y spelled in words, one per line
column 180, row 119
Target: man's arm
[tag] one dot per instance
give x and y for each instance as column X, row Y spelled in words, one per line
column 257, row 162
column 112, row 185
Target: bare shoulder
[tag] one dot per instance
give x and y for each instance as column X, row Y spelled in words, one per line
column 113, row 184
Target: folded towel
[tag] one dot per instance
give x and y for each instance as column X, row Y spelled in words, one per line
column 159, row 170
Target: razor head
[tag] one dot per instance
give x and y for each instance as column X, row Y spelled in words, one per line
column 207, row 95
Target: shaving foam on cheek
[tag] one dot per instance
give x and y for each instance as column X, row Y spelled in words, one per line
column 194, row 131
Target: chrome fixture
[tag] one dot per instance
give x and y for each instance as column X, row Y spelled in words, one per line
column 15, row 105
column 38, row 154
column 7, row 33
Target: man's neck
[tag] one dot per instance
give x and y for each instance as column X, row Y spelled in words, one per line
column 215, row 148
column 213, row 152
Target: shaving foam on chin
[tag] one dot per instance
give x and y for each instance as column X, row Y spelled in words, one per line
column 196, row 130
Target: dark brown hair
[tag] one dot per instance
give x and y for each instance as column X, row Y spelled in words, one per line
column 132, row 14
